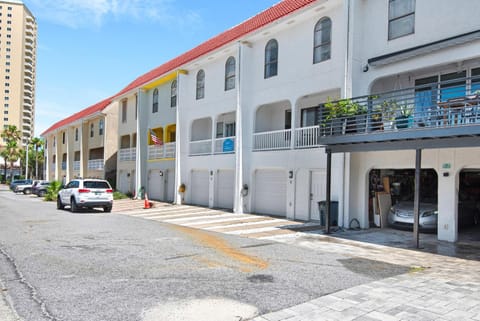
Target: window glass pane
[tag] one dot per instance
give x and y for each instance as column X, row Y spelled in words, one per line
column 425, row 96
column 451, row 88
column 322, row 40
column 400, row 8
column 219, row 129
column 475, row 81
column 401, row 27
column 230, row 130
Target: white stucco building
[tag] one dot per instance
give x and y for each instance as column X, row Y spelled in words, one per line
column 248, row 119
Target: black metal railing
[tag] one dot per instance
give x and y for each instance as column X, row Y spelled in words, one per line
column 444, row 104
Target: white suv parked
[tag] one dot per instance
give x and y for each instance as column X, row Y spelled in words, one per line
column 86, row 193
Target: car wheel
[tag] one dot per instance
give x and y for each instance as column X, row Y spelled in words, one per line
column 59, row 204
column 107, row 209
column 73, row 205
column 27, row 191
column 41, row 193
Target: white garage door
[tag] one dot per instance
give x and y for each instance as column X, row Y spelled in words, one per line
column 225, row 189
column 200, row 187
column 270, row 192
column 155, row 185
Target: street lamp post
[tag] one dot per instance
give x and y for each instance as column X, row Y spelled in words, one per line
column 26, row 165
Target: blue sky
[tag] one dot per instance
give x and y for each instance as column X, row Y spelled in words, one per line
column 90, row 49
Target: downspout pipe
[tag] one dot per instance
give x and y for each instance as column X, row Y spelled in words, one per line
column 138, row 156
column 178, row 171
column 238, row 199
column 347, row 93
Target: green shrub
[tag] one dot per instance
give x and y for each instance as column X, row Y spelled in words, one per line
column 119, row 195
column 52, row 191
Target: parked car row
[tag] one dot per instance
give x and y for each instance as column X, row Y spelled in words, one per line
column 28, row 186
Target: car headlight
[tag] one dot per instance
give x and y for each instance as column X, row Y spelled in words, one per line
column 429, row 213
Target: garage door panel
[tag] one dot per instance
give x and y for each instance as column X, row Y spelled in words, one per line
column 155, row 185
column 225, row 189
column 270, row 192
column 200, row 188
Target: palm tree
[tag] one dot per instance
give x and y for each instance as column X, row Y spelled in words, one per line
column 10, row 153
column 37, row 143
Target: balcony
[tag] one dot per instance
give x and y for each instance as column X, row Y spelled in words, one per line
column 448, row 109
column 304, row 137
column 200, row 147
column 127, row 154
column 225, row 145
column 96, row 164
column 161, row 151
column 272, row 140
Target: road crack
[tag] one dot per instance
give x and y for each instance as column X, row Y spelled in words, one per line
column 39, row 301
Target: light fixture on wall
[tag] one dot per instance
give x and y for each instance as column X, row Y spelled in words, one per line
column 244, row 190
column 160, row 173
column 290, row 174
column 365, row 68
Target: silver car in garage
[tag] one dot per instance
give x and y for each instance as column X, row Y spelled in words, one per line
column 401, row 216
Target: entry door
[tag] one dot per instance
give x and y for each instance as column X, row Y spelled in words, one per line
column 225, row 188
column 155, row 185
column 170, row 185
column 123, row 186
column 317, row 193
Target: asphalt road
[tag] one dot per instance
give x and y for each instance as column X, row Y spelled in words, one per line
column 56, row 265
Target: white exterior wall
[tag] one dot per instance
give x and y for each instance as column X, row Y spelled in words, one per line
column 157, row 170
column 126, row 169
column 299, row 84
column 370, row 39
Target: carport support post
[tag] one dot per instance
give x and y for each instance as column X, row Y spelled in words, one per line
column 328, row 191
column 416, row 200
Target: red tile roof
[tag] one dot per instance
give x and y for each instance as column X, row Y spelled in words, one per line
column 270, row 15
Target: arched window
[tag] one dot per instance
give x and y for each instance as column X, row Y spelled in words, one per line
column 155, row 101
column 271, row 58
column 322, row 40
column 100, row 127
column 173, row 94
column 91, row 130
column 230, row 73
column 76, row 134
column 200, row 84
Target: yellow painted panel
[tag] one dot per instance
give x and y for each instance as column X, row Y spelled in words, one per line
column 160, row 81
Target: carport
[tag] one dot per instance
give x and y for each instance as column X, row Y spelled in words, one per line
column 417, row 139
column 380, row 144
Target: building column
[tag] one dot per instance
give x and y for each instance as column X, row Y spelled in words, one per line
column 178, row 192
column 239, row 189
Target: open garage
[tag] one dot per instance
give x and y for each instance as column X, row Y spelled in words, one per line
column 391, row 196
column 469, row 204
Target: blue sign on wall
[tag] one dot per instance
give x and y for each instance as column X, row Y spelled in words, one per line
column 228, row 145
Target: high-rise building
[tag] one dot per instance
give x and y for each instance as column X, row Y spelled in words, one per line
column 18, row 47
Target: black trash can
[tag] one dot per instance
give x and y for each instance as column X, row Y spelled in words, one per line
column 322, row 207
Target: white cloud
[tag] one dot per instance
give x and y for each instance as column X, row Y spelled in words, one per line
column 92, row 13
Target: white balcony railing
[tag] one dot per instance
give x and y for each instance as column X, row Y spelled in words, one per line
column 76, row 165
column 272, row 140
column 161, row 151
column 225, row 145
column 307, row 137
column 201, row 147
column 95, row 164
column 127, row 154
column 170, row 149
